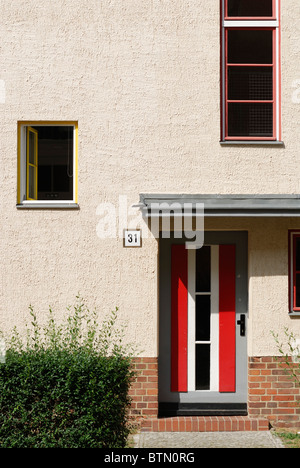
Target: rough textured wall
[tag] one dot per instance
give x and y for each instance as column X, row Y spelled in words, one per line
column 141, row 77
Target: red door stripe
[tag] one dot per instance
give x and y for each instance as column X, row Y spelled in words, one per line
column 179, row 318
column 227, row 318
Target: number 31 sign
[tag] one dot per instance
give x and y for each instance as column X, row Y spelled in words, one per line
column 132, row 238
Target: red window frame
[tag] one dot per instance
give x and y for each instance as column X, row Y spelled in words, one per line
column 240, row 101
column 293, row 236
column 251, row 18
column 275, row 65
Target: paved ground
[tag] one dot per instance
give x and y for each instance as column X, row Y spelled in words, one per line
column 264, row 439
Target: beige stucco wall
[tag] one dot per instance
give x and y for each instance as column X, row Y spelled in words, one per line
column 141, row 77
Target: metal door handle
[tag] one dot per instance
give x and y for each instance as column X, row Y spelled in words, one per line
column 242, row 324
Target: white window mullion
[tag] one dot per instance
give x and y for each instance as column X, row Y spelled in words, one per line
column 191, row 319
column 251, row 24
column 214, row 305
column 277, row 9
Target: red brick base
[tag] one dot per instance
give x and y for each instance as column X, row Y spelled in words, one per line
column 272, row 393
column 144, row 390
column 273, row 399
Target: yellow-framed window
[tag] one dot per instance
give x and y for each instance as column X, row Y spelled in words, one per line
column 32, row 164
column 47, row 163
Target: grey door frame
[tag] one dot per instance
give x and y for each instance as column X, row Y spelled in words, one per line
column 203, row 402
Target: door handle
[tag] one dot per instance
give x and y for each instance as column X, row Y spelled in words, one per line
column 242, row 324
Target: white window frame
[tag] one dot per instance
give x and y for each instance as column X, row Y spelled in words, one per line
column 22, row 201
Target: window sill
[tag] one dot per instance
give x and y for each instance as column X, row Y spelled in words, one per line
column 294, row 314
column 252, row 142
column 48, row 205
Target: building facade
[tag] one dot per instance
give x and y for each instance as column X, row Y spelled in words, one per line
column 150, row 161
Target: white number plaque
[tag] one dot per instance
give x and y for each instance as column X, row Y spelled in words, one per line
column 132, row 238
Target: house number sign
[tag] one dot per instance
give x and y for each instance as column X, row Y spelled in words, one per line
column 132, row 238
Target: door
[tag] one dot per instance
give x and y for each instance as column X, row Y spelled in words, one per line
column 203, row 310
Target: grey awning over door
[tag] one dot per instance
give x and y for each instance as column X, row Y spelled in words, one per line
column 221, row 205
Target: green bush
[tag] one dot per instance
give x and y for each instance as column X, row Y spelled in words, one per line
column 67, row 387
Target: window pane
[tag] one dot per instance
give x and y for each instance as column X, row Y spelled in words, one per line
column 32, row 148
column 203, row 269
column 250, row 46
column 250, row 119
column 61, row 178
column 55, row 162
column 297, row 254
column 250, row 8
column 298, row 290
column 202, row 318
column 250, row 83
column 32, row 183
column 202, row 367
column 44, row 182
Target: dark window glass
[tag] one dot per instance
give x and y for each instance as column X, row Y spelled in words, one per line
column 203, row 269
column 44, row 178
column 32, row 148
column 250, row 119
column 297, row 290
column 250, row 46
column 55, row 162
column 202, row 318
column 249, row 8
column 202, row 367
column 61, row 178
column 250, row 83
column 297, row 253
column 32, row 183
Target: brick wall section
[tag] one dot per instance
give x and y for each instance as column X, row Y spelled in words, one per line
column 272, row 393
column 144, row 390
column 272, row 398
column 144, row 408
column 205, row 424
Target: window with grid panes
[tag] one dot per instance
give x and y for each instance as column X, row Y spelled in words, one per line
column 250, row 70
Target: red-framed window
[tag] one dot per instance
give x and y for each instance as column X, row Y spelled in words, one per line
column 294, row 271
column 250, row 70
column 250, row 9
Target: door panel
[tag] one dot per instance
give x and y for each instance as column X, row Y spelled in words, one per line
column 227, row 318
column 179, row 318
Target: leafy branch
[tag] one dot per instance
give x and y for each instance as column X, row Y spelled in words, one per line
column 290, row 353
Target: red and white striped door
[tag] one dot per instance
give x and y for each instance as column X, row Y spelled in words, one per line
column 203, row 319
